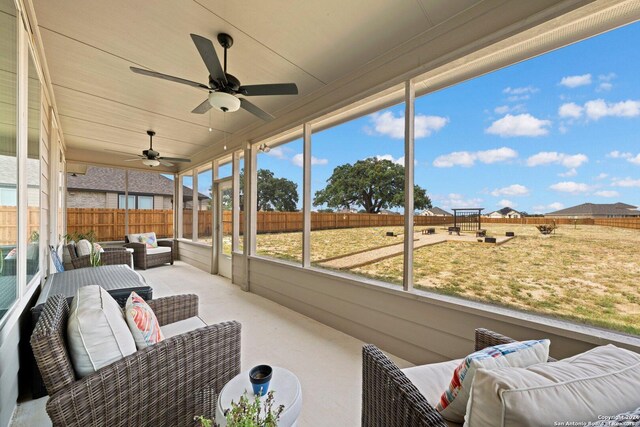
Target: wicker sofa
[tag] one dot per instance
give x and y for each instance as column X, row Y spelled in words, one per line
column 391, row 399
column 163, row 385
column 144, row 258
column 110, row 256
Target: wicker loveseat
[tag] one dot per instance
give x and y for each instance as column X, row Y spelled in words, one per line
column 163, row 385
column 390, row 399
column 144, row 257
column 110, row 256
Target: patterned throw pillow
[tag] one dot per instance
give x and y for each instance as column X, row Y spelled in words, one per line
column 11, row 254
column 142, row 322
column 149, row 239
column 97, row 248
column 57, row 262
column 453, row 402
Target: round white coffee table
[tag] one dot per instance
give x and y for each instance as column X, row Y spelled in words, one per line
column 286, row 388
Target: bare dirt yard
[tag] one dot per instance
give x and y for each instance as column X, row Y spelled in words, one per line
column 590, row 274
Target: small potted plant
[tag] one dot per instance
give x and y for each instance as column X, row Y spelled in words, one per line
column 248, row 413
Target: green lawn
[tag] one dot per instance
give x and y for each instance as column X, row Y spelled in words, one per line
column 589, row 273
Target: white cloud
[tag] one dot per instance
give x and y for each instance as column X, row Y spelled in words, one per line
column 605, row 82
column 604, row 87
column 607, row 193
column 570, row 161
column 627, row 182
column 619, row 155
column 467, row 159
column 399, row 160
column 504, row 109
column 388, row 124
column 635, row 160
column 599, row 108
column 519, row 125
column 277, row 152
column 570, row 187
column 575, row 81
column 505, row 202
column 511, row 190
column 570, row 172
column 455, row 200
column 496, row 155
column 457, row 158
column 298, row 160
column 601, row 176
column 570, row 110
column 426, row 125
column 556, row 206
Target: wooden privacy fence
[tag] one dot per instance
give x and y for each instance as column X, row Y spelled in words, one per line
column 9, row 223
column 108, row 224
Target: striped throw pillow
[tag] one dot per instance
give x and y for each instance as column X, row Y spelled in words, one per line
column 453, row 402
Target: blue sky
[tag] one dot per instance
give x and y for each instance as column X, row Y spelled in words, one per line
column 552, row 132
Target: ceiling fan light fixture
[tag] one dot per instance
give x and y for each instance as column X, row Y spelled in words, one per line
column 224, row 102
column 150, row 162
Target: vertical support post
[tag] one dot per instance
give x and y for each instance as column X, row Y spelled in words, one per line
column 126, row 202
column 216, row 241
column 195, row 203
column 409, row 116
column 252, row 184
column 178, row 198
column 306, row 197
column 22, row 154
column 235, row 189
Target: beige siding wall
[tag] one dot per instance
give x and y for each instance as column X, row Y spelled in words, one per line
column 197, row 255
column 167, row 203
column 421, row 329
column 158, row 202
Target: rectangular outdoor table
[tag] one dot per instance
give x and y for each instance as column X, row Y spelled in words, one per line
column 118, row 280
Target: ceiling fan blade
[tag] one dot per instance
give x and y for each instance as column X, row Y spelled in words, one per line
column 202, row 108
column 134, row 160
column 269, row 89
column 210, row 57
column 255, row 110
column 174, row 159
column 168, row 77
column 165, row 163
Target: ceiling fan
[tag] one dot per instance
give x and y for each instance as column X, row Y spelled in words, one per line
column 223, row 87
column 152, row 158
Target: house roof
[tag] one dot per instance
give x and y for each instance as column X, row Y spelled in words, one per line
column 505, row 211
column 609, row 209
column 437, row 211
column 110, row 180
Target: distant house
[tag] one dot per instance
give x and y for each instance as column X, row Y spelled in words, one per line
column 387, row 212
column 597, row 210
column 347, row 210
column 505, row 212
column 435, row 211
column 104, row 188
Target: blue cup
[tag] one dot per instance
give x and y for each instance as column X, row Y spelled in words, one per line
column 260, row 377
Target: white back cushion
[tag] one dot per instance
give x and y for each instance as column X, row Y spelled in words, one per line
column 83, row 247
column 604, row 381
column 97, row 332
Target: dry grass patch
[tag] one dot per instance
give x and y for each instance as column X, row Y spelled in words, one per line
column 588, row 273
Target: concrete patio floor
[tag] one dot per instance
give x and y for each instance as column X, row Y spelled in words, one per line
column 326, row 361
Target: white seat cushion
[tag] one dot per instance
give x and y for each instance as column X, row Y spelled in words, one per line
column 84, row 247
column 431, row 380
column 604, row 381
column 182, row 326
column 97, row 332
column 158, row 250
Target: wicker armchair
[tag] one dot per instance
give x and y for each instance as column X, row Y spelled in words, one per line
column 162, row 385
column 389, row 398
column 143, row 259
column 110, row 256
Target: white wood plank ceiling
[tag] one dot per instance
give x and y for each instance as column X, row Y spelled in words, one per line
column 89, row 46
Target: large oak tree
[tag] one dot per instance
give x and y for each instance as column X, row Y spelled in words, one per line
column 372, row 183
column 274, row 194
